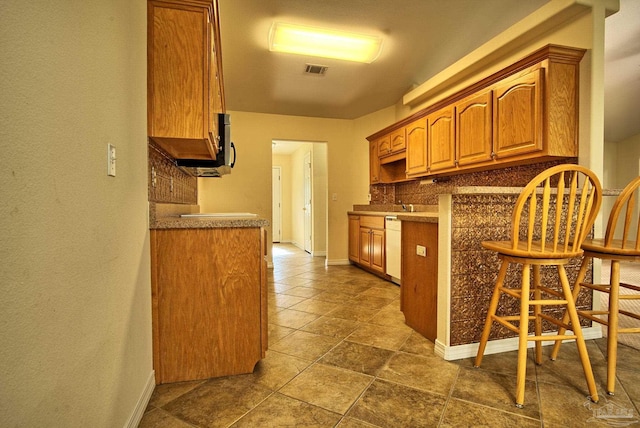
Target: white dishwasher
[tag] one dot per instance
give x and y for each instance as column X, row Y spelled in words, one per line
column 393, row 229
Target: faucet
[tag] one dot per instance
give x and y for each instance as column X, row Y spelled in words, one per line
column 404, row 207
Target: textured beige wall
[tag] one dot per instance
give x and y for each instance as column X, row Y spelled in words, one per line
column 75, row 281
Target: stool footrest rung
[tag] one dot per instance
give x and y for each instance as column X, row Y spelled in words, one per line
column 630, row 287
column 555, row 321
column 591, row 315
column 513, row 292
column 552, row 292
column 629, row 314
column 598, row 287
column 629, row 330
column 505, row 322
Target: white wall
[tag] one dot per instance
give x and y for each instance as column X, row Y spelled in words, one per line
column 75, row 289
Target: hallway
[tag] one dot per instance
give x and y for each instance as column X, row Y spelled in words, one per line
column 340, row 355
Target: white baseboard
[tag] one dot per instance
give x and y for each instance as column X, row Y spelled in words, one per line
column 459, row 352
column 336, row 262
column 143, row 401
column 318, row 254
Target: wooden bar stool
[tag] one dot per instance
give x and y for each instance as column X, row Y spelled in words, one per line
column 624, row 248
column 551, row 219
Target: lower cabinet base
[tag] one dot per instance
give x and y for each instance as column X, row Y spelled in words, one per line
column 419, row 289
column 209, row 305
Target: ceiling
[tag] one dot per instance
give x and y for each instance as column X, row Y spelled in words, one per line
column 421, row 38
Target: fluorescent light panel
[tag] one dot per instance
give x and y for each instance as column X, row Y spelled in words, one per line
column 311, row 41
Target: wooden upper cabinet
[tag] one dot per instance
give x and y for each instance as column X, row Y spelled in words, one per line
column 441, row 139
column 392, row 143
column 524, row 113
column 184, row 80
column 473, row 129
column 517, row 115
column 384, row 145
column 374, row 163
column 417, row 147
column 398, row 142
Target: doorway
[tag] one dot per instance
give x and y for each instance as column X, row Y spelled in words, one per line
column 304, row 204
column 308, row 204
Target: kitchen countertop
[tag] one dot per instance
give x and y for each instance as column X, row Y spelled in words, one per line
column 425, row 213
column 167, row 216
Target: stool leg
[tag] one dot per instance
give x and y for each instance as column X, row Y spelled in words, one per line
column 565, row 317
column 523, row 334
column 493, row 306
column 536, row 312
column 577, row 331
column 612, row 327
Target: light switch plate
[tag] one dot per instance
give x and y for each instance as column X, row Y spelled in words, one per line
column 421, row 251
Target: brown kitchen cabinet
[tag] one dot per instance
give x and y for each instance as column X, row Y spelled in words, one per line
column 354, row 238
column 441, row 150
column 416, row 147
column 367, row 242
column 209, row 302
column 184, row 77
column 398, row 142
column 524, row 113
column 474, row 130
column 518, row 115
column 374, row 163
column 419, row 288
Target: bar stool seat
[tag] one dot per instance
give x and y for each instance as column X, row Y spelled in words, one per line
column 626, row 248
column 550, row 220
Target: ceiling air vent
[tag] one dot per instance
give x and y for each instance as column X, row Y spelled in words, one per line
column 319, row 70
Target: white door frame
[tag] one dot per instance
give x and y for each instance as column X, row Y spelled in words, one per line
column 308, row 206
column 276, row 202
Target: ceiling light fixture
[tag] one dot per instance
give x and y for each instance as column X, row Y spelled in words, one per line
column 312, row 41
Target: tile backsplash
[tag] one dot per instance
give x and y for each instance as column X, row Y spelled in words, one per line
column 167, row 182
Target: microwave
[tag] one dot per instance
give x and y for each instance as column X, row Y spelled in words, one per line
column 225, row 159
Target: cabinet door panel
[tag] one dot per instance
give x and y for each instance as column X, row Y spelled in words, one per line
column 365, row 248
column 398, row 142
column 384, row 145
column 419, row 289
column 377, row 250
column 178, row 101
column 354, row 238
column 417, row 147
column 473, row 129
column 374, row 163
column 441, row 139
column 517, row 115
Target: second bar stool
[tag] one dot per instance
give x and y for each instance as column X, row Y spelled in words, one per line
column 620, row 244
column 553, row 215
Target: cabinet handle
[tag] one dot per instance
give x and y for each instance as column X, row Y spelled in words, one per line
column 493, row 155
column 455, row 162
